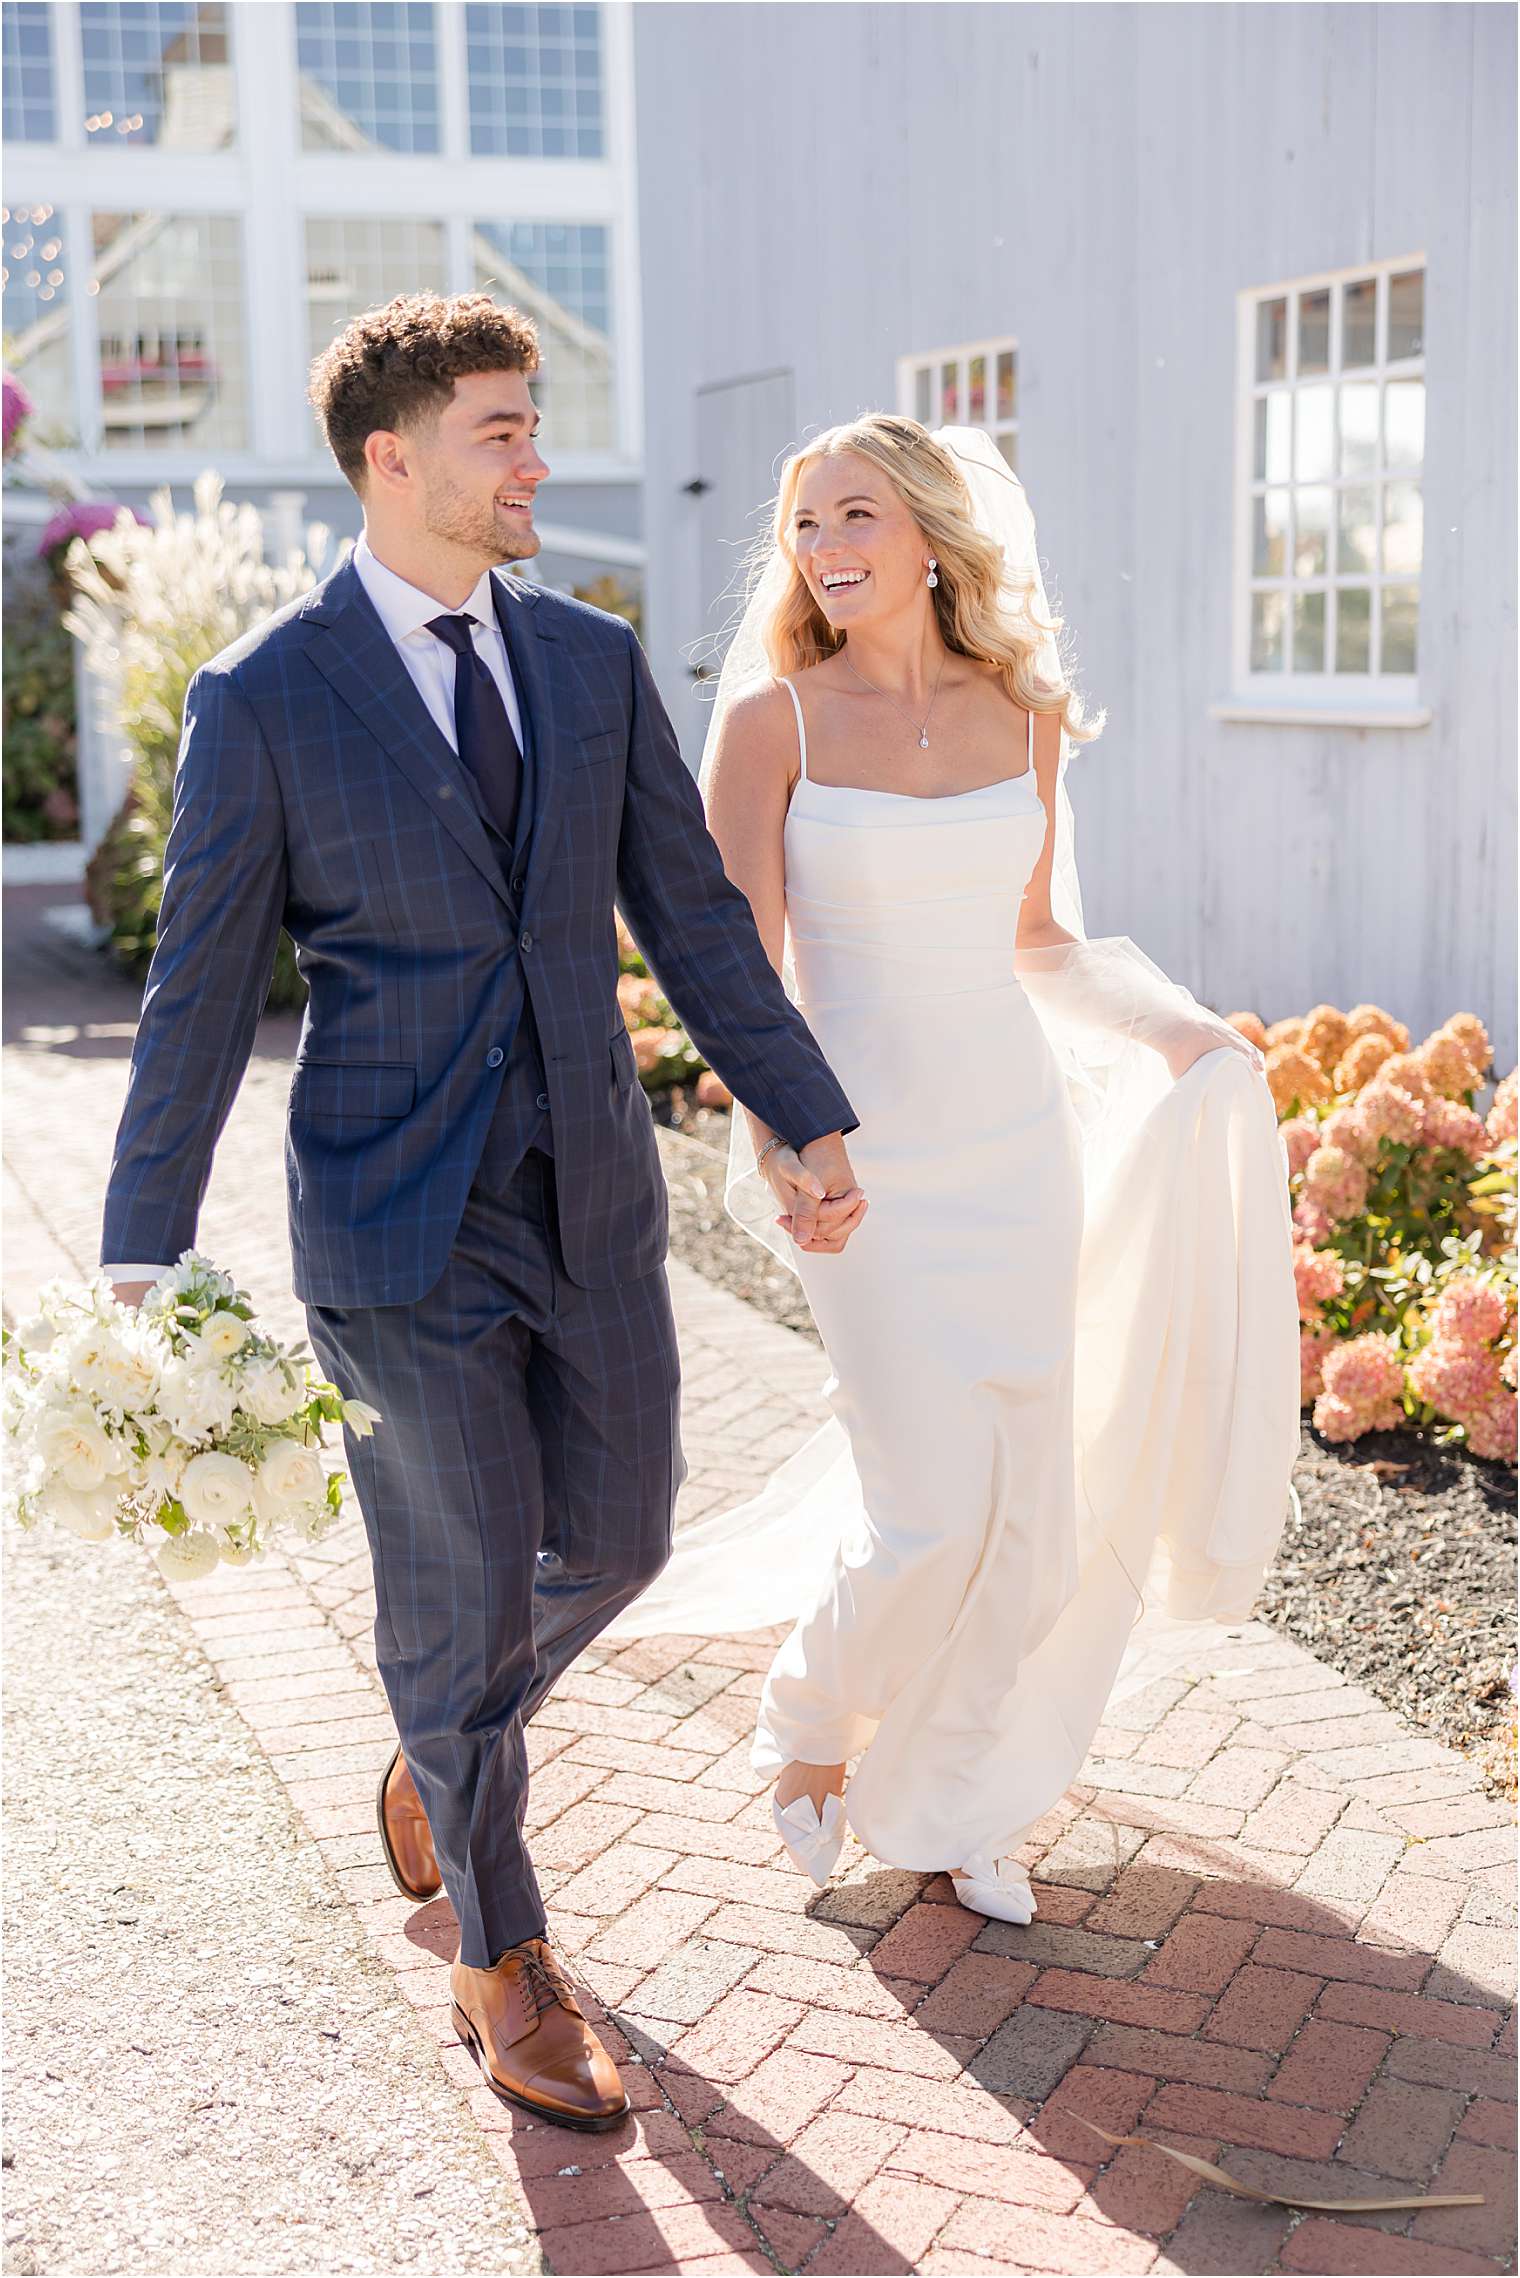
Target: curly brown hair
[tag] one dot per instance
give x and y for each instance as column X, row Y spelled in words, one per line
column 394, row 367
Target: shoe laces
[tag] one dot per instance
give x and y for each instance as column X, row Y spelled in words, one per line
column 544, row 1983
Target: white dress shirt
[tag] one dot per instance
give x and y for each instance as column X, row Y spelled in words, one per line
column 405, row 610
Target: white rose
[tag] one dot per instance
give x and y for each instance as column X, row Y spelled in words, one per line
column 72, row 1445
column 223, row 1335
column 90, row 1514
column 289, row 1476
column 268, row 1395
column 215, row 1488
column 115, row 1373
column 188, row 1557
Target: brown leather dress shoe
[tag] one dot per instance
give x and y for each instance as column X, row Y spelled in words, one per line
column 405, row 1837
column 525, row 2029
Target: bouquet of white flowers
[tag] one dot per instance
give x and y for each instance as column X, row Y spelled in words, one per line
column 179, row 1422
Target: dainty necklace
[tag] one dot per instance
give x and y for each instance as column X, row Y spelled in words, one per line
column 920, row 727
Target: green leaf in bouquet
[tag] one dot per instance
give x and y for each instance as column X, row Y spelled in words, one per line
column 172, row 1516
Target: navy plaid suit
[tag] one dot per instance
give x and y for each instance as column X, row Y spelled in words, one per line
column 478, row 1218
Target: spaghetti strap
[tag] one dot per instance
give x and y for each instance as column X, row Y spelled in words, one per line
column 801, row 730
column 1029, row 744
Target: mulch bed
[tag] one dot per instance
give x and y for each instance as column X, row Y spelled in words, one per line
column 1398, row 1570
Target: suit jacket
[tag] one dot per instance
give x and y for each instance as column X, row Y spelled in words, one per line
column 315, row 792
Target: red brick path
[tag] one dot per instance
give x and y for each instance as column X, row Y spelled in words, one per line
column 1275, row 1925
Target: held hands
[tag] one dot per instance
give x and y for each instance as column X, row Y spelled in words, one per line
column 130, row 1293
column 821, row 1205
column 1184, row 1043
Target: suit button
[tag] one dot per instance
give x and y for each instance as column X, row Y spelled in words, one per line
column 518, row 884
column 543, row 1101
column 495, row 1056
column 525, row 941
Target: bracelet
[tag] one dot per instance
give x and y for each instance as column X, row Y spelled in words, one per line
column 768, row 1149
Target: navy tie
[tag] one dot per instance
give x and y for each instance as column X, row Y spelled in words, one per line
column 482, row 728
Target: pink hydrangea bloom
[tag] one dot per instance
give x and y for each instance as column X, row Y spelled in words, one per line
column 1300, row 1136
column 1312, row 1347
column 1493, row 1433
column 1336, row 1181
column 1509, row 1367
column 1384, row 1111
column 1447, row 1068
column 1318, row 1274
column 1364, row 1381
column 82, row 518
column 1503, row 1114
column 1344, row 1129
column 1447, row 1123
column 1468, row 1311
column 1311, row 1219
column 1461, row 1380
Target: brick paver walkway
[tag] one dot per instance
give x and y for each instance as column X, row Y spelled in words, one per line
column 1275, row 1925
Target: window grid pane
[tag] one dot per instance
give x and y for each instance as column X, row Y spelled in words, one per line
column 30, row 105
column 973, row 387
column 368, row 75
column 354, row 263
column 157, row 73
column 535, row 78
column 1337, row 463
column 173, row 367
column 559, row 274
column 36, row 273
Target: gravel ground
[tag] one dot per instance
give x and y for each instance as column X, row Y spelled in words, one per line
column 206, row 2070
column 1400, row 1571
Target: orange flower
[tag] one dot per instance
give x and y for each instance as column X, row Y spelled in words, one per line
column 1473, row 1037
column 1251, row 1027
column 1325, row 1035
column 1363, row 1056
column 1295, row 1080
column 1371, row 1020
column 1443, row 1061
column 1284, row 1032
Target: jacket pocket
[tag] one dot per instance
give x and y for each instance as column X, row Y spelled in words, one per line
column 360, row 1090
column 624, row 1066
column 602, row 743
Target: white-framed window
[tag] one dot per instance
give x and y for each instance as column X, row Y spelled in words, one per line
column 36, row 274
column 558, row 273
column 168, row 292
column 357, row 261
column 156, row 73
column 26, row 51
column 1331, row 456
column 367, row 75
column 976, row 386
column 535, row 77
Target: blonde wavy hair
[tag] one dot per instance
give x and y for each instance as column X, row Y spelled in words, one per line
column 985, row 610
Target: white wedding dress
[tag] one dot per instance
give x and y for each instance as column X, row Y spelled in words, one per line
column 1054, row 1400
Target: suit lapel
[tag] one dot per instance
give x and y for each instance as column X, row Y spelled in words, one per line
column 357, row 657
column 546, row 690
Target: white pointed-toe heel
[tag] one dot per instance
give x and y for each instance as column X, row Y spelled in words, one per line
column 813, row 1842
column 997, row 1887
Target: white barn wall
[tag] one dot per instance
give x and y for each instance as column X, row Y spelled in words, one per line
column 829, row 188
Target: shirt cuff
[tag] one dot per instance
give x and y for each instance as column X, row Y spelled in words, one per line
column 133, row 1272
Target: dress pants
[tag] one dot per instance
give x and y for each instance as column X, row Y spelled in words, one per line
column 518, row 1493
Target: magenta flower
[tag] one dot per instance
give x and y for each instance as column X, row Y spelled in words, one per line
column 82, row 518
column 18, row 407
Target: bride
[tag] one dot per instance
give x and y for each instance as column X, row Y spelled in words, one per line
column 1060, row 1322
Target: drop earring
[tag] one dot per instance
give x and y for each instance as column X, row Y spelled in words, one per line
column 932, row 579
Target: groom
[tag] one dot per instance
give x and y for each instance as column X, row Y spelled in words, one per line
column 439, row 779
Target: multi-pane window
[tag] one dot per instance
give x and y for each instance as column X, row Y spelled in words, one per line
column 966, row 387
column 558, row 273
column 169, row 314
column 36, row 278
column 353, row 263
column 535, row 77
column 27, row 38
column 367, row 75
column 156, row 72
column 1337, row 396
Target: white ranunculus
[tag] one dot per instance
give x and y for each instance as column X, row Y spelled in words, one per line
column 118, row 1374
column 215, row 1488
column 267, row 1394
column 188, row 1557
column 89, row 1513
column 289, row 1476
column 223, row 1335
column 74, row 1448
column 195, row 1400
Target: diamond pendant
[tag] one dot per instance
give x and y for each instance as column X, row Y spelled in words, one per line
column 923, row 743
